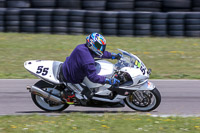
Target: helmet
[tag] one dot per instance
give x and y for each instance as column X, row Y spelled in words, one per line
column 96, row 43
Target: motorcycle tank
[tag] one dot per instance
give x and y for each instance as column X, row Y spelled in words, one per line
column 103, row 68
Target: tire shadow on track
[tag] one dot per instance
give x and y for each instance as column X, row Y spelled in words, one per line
column 75, row 111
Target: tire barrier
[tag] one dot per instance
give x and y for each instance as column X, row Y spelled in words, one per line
column 28, row 20
column 196, row 5
column 60, row 19
column 148, row 5
column 116, row 23
column 43, row 20
column 76, row 22
column 192, row 24
column 143, row 23
column 117, row 5
column 12, row 20
column 18, row 3
column 159, row 24
column 176, row 23
column 92, row 22
column 94, row 5
column 176, row 5
column 2, row 20
column 109, row 5
column 69, row 4
column 126, row 24
column 2, row 3
column 109, row 23
column 43, row 3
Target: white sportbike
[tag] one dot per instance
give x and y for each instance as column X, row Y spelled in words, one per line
column 134, row 88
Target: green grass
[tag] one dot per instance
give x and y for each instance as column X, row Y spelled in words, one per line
column 106, row 123
column 176, row 58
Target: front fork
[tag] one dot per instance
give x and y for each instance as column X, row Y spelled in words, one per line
column 139, row 93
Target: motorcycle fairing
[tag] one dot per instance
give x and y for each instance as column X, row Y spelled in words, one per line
column 147, row 85
column 44, row 69
column 103, row 68
column 106, row 68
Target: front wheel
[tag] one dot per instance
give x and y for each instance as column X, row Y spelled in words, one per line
column 144, row 100
column 45, row 104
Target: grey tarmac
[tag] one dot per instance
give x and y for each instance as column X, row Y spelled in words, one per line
column 179, row 97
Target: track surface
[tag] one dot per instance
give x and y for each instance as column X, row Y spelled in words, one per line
column 179, row 97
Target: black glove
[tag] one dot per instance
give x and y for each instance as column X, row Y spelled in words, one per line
column 112, row 81
column 116, row 56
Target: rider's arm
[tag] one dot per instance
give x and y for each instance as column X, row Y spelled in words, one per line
column 90, row 71
column 106, row 55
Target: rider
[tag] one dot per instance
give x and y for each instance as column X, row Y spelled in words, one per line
column 81, row 62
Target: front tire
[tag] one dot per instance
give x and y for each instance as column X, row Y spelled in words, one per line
column 43, row 103
column 147, row 101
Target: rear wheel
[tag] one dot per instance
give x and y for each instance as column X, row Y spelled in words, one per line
column 45, row 104
column 144, row 100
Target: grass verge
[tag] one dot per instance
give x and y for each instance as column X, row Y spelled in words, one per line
column 106, row 123
column 176, row 58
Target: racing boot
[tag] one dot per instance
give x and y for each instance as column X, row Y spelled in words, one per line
column 68, row 96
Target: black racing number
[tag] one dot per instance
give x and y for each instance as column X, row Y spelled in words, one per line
column 143, row 70
column 42, row 70
column 39, row 70
column 45, row 71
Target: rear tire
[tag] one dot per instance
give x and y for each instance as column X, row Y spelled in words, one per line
column 42, row 103
column 151, row 101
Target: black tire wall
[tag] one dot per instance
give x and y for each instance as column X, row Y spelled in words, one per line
column 122, row 18
column 108, row 5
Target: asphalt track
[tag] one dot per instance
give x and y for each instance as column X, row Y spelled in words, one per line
column 179, row 97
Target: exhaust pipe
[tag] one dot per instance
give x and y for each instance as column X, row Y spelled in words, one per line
column 37, row 91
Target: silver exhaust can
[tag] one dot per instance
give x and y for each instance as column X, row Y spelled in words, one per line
column 37, row 91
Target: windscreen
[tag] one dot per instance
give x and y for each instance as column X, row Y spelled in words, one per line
column 130, row 60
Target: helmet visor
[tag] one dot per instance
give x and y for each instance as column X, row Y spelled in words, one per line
column 100, row 47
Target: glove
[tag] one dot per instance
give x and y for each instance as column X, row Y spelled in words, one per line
column 112, row 81
column 116, row 56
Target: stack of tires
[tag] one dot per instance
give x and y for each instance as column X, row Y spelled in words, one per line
column 12, row 20
column 109, row 23
column 143, row 23
column 126, row 24
column 43, row 3
column 2, row 3
column 148, row 5
column 2, row 13
column 60, row 21
column 69, row 4
column 27, row 22
column 196, row 5
column 18, row 3
column 92, row 22
column 192, row 25
column 111, row 5
column 76, row 22
column 176, row 5
column 43, row 21
column 99, row 5
column 176, row 24
column 159, row 24
column 117, row 5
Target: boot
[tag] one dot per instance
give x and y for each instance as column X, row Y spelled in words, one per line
column 68, row 96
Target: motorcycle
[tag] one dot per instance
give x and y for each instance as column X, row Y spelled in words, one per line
column 134, row 89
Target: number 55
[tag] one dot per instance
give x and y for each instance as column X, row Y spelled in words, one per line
column 42, row 70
